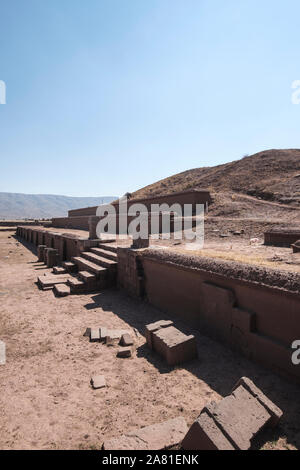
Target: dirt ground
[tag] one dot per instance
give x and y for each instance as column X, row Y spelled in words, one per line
column 46, row 401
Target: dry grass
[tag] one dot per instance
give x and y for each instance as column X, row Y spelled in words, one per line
column 231, row 255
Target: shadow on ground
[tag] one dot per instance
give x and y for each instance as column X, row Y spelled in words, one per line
column 27, row 245
column 217, row 366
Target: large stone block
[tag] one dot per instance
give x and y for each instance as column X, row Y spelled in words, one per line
column 174, row 346
column 156, row 437
column 40, row 252
column 152, row 327
column 234, row 421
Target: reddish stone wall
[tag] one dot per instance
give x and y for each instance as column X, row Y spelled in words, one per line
column 79, row 223
column 282, row 238
column 186, row 197
column 130, row 276
column 68, row 245
column 254, row 311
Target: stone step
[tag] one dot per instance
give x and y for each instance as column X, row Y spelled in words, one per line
column 77, row 286
column 105, row 253
column 86, row 265
column 86, row 276
column 99, row 260
column 108, row 247
column 61, row 290
column 51, row 280
column 69, row 266
column 59, row 270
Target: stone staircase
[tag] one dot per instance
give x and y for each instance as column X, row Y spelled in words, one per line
column 92, row 271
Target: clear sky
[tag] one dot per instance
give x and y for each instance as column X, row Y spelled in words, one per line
column 107, row 96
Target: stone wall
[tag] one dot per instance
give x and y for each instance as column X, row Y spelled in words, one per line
column 284, row 238
column 186, row 197
column 256, row 311
column 68, row 245
column 79, row 223
column 130, row 272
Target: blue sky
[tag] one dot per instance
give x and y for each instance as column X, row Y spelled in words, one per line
column 107, row 96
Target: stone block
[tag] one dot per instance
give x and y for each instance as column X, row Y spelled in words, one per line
column 204, row 434
column 152, row 327
column 234, row 421
column 59, row 270
column 40, row 252
column 124, row 352
column 95, row 335
column 51, row 257
column 126, row 340
column 61, row 290
column 114, row 336
column 98, row 381
column 174, row 346
column 275, row 412
column 155, row 437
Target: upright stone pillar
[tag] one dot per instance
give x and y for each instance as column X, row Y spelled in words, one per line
column 41, row 252
column 52, row 257
column 93, row 221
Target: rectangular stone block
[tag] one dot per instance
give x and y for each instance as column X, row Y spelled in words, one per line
column 98, row 381
column 174, row 346
column 124, row 352
column 126, row 340
column 275, row 412
column 61, row 290
column 59, row 270
column 150, row 329
column 155, row 437
column 233, row 422
column 95, row 335
column 240, row 417
column 204, row 434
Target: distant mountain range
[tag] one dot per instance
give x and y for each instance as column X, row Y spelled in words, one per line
column 44, row 206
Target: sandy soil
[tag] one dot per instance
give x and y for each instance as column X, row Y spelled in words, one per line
column 46, row 401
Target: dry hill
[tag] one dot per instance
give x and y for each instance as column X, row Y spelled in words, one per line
column 272, row 175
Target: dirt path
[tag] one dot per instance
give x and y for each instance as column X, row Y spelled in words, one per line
column 46, row 401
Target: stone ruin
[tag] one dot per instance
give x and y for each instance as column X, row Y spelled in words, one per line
column 230, row 424
column 170, row 343
column 234, row 422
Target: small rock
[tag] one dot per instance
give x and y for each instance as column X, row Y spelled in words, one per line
column 126, row 340
column 98, row 381
column 124, row 352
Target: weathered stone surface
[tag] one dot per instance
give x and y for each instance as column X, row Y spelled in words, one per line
column 61, row 290
column 95, row 335
column 275, row 412
column 240, row 417
column 156, row 437
column 102, row 332
column 204, row 434
column 234, row 421
column 150, row 329
column 40, row 252
column 98, row 381
column 124, row 352
column 59, row 270
column 50, row 280
column 126, row 340
column 174, row 346
column 114, row 336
